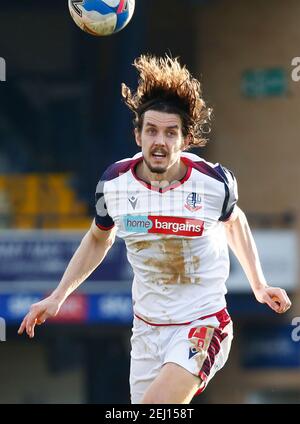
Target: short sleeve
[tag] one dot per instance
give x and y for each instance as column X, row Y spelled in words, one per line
column 103, row 219
column 231, row 193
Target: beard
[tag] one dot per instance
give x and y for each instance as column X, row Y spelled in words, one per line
column 155, row 169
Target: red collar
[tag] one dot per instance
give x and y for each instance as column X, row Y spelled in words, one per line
column 171, row 186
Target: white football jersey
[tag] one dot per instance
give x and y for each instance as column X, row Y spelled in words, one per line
column 175, row 238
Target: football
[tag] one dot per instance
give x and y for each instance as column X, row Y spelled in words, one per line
column 101, row 17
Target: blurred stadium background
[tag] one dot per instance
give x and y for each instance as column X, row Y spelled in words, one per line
column 62, row 122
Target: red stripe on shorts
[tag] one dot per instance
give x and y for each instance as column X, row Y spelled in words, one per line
column 214, row 347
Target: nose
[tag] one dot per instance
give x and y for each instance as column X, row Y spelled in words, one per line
column 160, row 140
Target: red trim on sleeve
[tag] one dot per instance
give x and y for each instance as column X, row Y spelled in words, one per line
column 105, row 228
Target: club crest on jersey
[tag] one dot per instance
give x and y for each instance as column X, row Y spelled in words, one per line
column 193, row 202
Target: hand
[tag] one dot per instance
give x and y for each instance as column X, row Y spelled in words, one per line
column 275, row 297
column 38, row 314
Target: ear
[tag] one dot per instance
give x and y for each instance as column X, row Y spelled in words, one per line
column 186, row 142
column 138, row 138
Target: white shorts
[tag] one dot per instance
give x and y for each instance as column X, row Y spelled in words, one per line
column 201, row 347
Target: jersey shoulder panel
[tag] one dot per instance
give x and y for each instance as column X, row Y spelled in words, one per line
column 221, row 174
column 118, row 168
column 231, row 192
column 203, row 166
column 102, row 218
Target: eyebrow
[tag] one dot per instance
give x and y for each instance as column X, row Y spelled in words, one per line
column 150, row 124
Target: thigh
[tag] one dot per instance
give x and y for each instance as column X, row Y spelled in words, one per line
column 146, row 361
column 173, row 385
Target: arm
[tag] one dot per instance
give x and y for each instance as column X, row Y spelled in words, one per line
column 90, row 253
column 241, row 242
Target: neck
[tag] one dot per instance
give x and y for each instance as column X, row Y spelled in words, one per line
column 175, row 173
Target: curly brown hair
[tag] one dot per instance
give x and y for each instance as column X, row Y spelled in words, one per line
column 164, row 85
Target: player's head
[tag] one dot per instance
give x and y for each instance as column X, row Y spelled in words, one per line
column 169, row 110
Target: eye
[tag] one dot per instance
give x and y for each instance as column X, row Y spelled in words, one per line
column 151, row 131
column 171, row 133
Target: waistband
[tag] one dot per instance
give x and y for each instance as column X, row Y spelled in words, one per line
column 222, row 316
